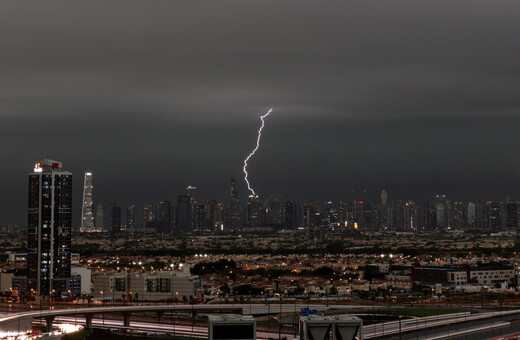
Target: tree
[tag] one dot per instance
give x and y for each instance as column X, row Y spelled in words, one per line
column 224, row 289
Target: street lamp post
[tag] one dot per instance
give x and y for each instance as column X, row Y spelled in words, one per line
column 400, row 334
column 250, row 307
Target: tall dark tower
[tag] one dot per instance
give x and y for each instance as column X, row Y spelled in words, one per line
column 254, row 212
column 235, row 208
column 183, row 221
column 115, row 218
column 232, row 187
column 49, row 225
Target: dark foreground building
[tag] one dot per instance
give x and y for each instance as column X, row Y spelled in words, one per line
column 49, row 232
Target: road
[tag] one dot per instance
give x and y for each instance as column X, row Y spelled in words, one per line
column 429, row 327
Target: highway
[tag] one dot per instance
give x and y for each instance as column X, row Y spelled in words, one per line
column 85, row 315
column 381, row 330
column 171, row 329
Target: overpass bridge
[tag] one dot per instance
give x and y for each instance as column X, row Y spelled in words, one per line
column 23, row 320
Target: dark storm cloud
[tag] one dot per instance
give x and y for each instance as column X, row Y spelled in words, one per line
column 417, row 97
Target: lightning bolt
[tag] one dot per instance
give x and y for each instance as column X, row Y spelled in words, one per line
column 253, row 152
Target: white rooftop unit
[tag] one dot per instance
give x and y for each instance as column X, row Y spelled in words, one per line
column 348, row 327
column 314, row 327
column 231, row 327
column 342, row 327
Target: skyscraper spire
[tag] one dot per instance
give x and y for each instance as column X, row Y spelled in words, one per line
column 232, row 187
column 87, row 214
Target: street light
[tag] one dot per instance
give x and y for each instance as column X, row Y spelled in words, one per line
column 250, row 307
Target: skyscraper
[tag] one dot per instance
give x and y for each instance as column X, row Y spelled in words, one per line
column 495, row 215
column 49, row 226
column 164, row 217
column 511, row 210
column 472, row 214
column 255, row 215
column 214, row 216
column 115, row 218
column 100, row 217
column 443, row 211
column 183, row 213
column 87, row 215
column 235, row 209
column 130, row 217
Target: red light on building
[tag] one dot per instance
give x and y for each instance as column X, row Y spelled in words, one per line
column 55, row 165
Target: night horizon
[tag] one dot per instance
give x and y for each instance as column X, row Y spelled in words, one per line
column 418, row 99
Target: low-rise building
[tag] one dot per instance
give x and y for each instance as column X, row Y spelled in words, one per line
column 489, row 274
column 446, row 275
column 164, row 285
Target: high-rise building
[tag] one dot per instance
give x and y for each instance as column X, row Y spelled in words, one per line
column 482, row 214
column 384, row 197
column 49, row 226
column 443, row 212
column 115, row 218
column 512, row 209
column 495, row 215
column 233, row 192
column 308, row 216
column 410, row 216
column 383, row 210
column 164, row 217
column 183, row 219
column 100, row 217
column 130, row 217
column 192, row 193
column 472, row 214
column 235, row 210
column 290, row 218
column 214, row 216
column 200, row 217
column 87, row 214
column 397, row 215
column 429, row 216
column 254, row 212
column 274, row 211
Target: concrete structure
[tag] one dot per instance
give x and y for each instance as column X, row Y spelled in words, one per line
column 17, row 257
column 86, row 278
column 6, row 281
column 342, row 327
column 231, row 326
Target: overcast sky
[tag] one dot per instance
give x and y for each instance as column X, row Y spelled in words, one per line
column 418, row 97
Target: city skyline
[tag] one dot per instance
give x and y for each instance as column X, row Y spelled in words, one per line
column 138, row 205
column 416, row 98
